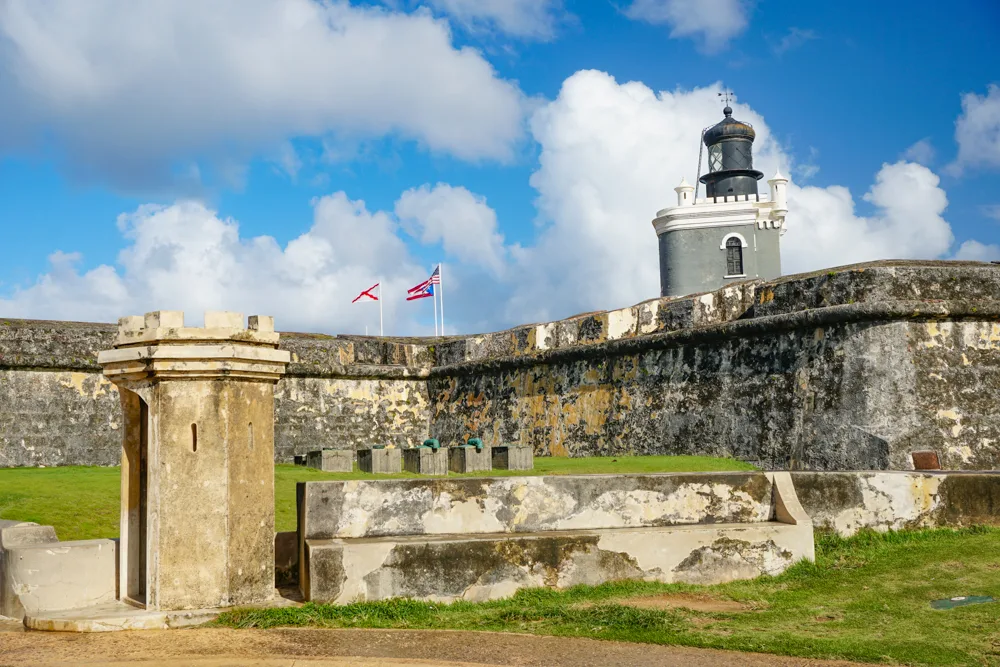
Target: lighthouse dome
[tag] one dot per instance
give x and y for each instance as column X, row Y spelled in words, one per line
column 729, row 128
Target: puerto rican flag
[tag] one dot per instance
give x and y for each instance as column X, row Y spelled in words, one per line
column 426, row 288
column 368, row 293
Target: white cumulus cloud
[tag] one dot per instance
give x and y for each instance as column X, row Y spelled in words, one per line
column 713, row 22
column 922, row 152
column 459, row 220
column 977, row 131
column 824, row 229
column 978, row 252
column 134, row 91
column 611, row 154
column 186, row 257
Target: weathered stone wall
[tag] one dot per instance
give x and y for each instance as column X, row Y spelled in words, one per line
column 345, row 413
column 845, row 370
column 847, row 395
column 57, row 409
column 852, row 368
column 846, row 502
column 50, row 418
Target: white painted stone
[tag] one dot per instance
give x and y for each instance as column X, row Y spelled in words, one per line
column 621, row 323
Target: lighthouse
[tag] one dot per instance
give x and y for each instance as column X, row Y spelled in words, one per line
column 731, row 234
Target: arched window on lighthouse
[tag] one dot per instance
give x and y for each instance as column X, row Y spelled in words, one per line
column 734, row 257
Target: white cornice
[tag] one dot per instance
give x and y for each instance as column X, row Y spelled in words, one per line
column 723, row 214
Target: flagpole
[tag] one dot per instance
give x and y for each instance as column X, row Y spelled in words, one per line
column 441, row 290
column 435, row 300
column 380, row 333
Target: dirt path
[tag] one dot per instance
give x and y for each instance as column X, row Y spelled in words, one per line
column 364, row 648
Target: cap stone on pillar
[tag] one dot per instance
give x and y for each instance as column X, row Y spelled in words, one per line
column 165, row 319
column 262, row 323
column 223, row 319
column 131, row 323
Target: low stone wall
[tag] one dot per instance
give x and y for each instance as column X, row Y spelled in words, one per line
column 377, row 508
column 846, row 502
column 478, row 539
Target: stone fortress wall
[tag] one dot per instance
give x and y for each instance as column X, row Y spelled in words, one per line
column 846, row 369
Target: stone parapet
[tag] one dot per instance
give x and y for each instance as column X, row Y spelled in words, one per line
column 360, row 508
column 480, row 539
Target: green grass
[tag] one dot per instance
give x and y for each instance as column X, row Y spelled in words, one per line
column 82, row 502
column 866, row 598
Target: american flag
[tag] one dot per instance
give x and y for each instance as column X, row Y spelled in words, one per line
column 425, row 289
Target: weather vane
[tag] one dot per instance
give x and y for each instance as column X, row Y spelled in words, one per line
column 727, row 95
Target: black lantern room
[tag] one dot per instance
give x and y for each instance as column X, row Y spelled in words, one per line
column 730, row 158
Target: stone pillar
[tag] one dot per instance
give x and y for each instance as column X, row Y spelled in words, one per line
column 197, row 519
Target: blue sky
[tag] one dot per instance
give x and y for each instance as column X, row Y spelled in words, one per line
column 158, row 150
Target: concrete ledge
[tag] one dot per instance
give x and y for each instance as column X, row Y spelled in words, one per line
column 363, row 508
column 485, row 567
column 115, row 616
column 12, row 534
column 50, row 576
column 480, row 539
column 846, row 502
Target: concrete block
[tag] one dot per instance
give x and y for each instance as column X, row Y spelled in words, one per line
column 131, row 323
column 380, row 461
column 261, row 323
column 513, row 458
column 426, row 461
column 223, row 319
column 469, row 459
column 164, row 319
column 51, row 576
column 331, row 460
column 14, row 534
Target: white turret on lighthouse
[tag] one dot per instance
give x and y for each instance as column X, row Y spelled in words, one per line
column 733, row 232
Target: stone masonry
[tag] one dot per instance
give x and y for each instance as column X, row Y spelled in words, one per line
column 851, row 368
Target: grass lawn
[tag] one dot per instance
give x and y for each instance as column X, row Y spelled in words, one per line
column 82, row 502
column 866, row 599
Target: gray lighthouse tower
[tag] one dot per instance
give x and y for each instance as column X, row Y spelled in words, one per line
column 733, row 233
